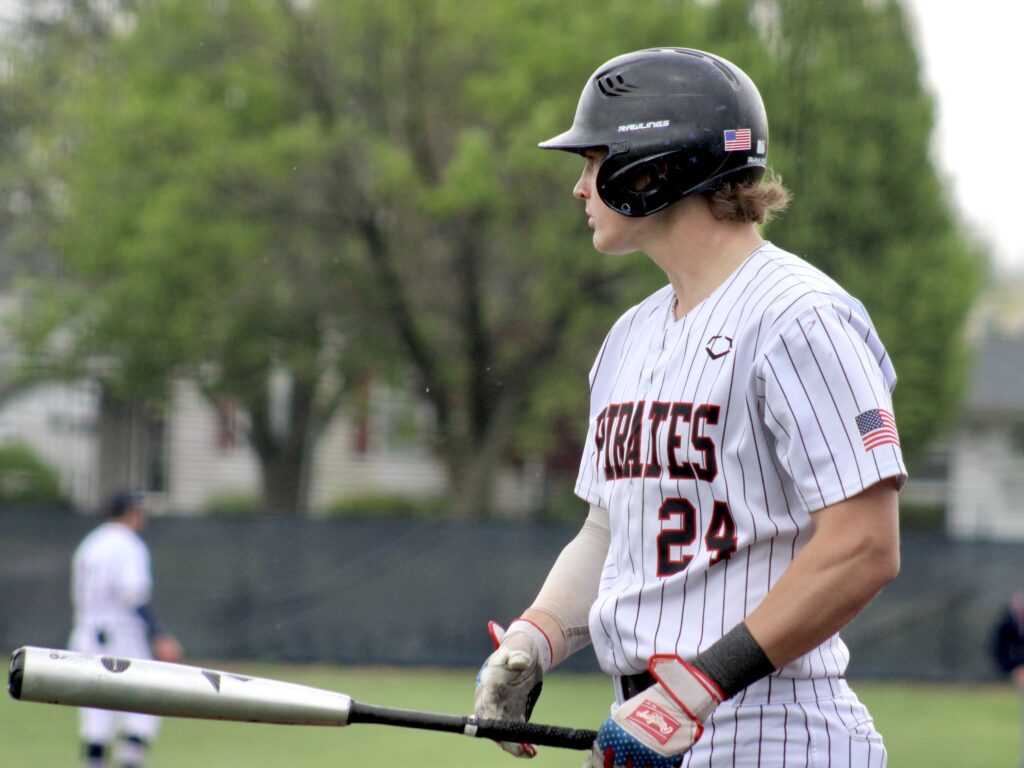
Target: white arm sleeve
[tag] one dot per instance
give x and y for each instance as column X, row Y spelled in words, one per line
column 571, row 586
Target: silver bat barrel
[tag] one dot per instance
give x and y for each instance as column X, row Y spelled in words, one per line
column 54, row 676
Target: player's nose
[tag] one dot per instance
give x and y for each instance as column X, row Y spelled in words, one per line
column 582, row 189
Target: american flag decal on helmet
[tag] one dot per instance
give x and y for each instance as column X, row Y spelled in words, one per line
column 877, row 427
column 736, row 139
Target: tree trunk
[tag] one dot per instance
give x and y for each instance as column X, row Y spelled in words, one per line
column 472, row 464
column 471, row 486
column 284, row 456
column 283, row 491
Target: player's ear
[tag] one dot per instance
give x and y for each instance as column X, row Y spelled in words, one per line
column 647, row 174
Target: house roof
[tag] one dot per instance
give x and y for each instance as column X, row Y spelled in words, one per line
column 997, row 378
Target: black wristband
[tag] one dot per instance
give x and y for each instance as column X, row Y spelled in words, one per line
column 735, row 661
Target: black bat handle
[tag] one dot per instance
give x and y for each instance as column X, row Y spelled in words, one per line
column 535, row 733
column 499, row 730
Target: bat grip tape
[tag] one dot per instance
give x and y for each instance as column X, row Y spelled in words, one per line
column 535, row 733
column 498, row 730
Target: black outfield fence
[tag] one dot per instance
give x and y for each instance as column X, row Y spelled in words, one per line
column 418, row 592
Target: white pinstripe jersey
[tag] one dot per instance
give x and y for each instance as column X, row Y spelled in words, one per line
column 713, row 438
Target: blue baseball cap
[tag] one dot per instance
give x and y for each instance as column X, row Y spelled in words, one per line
column 122, row 501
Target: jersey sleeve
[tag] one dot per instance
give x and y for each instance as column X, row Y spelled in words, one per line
column 590, row 480
column 826, row 398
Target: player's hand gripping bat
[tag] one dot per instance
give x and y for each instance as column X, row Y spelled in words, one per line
column 53, row 676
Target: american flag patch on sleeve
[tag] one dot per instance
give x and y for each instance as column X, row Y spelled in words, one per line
column 877, row 427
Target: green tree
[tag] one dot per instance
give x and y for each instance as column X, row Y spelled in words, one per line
column 256, row 188
column 851, row 130
column 852, row 126
column 26, row 480
column 478, row 257
column 40, row 48
column 197, row 231
column 264, row 181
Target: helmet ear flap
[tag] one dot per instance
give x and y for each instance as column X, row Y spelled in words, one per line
column 650, row 184
column 639, row 188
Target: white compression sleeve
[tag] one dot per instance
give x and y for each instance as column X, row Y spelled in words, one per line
column 571, row 586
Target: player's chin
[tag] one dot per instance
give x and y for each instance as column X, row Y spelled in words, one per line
column 615, row 250
column 608, row 243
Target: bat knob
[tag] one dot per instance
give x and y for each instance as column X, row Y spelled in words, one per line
column 16, row 674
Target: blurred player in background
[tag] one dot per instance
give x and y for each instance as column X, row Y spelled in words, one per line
column 1008, row 650
column 742, row 461
column 1008, row 640
column 111, row 588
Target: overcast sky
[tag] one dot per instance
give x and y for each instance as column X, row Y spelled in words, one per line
column 973, row 65
column 972, row 62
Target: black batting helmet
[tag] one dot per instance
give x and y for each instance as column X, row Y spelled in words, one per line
column 683, row 120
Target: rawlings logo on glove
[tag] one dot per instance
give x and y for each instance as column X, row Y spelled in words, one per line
column 655, row 720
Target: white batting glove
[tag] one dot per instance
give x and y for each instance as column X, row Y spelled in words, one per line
column 655, row 728
column 509, row 682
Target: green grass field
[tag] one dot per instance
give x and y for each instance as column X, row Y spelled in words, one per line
column 924, row 726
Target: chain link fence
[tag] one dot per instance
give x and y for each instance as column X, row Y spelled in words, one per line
column 419, row 592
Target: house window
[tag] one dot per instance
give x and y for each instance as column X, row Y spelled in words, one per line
column 387, row 420
column 156, row 460
column 231, row 424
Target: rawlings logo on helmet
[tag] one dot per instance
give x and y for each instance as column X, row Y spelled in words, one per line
column 644, row 126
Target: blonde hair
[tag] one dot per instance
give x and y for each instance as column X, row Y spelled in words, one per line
column 754, row 203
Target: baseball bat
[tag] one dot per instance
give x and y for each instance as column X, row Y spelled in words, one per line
column 53, row 676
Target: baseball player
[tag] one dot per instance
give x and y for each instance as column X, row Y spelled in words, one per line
column 111, row 586
column 742, row 461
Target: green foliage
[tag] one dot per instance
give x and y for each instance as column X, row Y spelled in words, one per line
column 26, row 481
column 346, row 187
column 922, row 517
column 851, row 136
column 385, row 505
column 561, row 502
column 198, row 235
column 231, row 504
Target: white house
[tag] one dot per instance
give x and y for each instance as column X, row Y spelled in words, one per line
column 57, row 421
column 986, row 448
column 193, row 455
